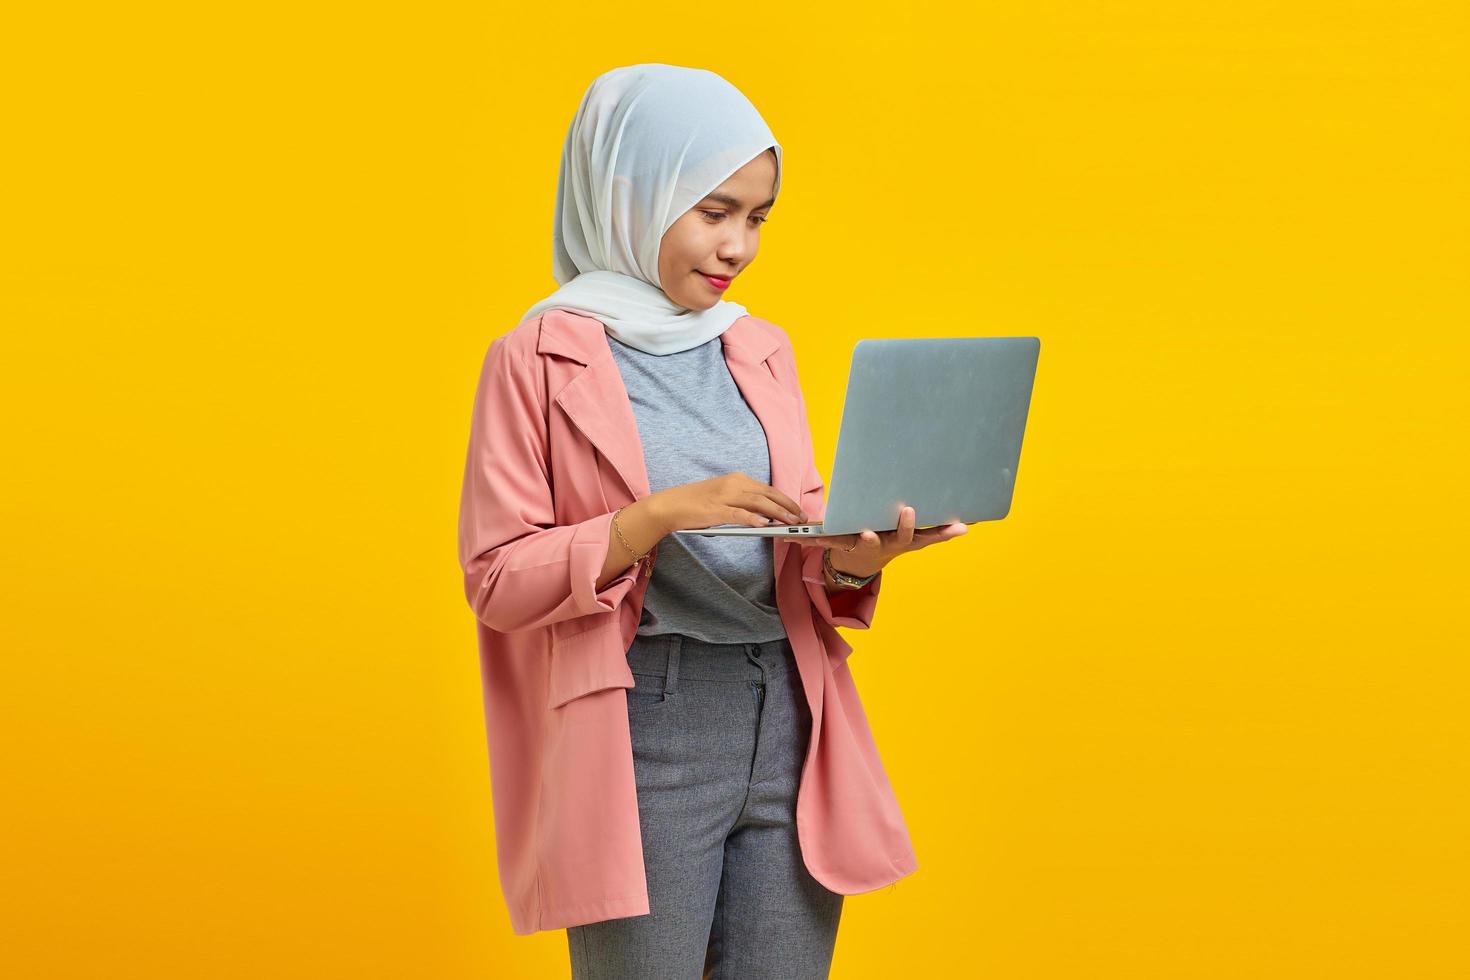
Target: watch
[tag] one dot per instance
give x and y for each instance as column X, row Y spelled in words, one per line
column 843, row 579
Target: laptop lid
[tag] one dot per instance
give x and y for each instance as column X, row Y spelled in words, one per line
column 934, row 423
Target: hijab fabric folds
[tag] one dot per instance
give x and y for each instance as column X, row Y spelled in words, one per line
column 648, row 142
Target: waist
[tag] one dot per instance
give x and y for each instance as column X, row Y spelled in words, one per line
column 701, row 660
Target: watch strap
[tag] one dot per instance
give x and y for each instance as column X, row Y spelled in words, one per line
column 842, row 578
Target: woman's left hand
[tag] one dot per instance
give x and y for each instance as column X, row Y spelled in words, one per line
column 871, row 550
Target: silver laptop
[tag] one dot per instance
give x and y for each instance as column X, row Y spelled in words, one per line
column 930, row 423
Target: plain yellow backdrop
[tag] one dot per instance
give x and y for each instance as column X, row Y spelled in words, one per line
column 1196, row 709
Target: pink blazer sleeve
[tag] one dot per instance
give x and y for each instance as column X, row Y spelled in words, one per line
column 850, row 607
column 521, row 570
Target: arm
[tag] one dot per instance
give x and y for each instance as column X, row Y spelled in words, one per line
column 839, row 607
column 521, row 570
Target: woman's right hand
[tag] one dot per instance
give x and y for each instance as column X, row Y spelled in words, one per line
column 733, row 498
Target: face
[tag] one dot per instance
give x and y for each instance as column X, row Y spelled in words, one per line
column 718, row 236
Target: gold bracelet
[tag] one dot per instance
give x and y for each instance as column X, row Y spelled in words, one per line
column 647, row 569
column 844, row 580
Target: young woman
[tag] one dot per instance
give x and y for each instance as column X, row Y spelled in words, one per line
column 683, row 775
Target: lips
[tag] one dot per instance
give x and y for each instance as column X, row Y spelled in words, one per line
column 715, row 281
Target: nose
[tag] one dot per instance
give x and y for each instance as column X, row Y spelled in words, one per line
column 733, row 251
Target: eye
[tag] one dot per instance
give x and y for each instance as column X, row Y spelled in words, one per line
column 717, row 215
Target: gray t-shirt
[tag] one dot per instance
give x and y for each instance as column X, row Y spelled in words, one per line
column 695, row 424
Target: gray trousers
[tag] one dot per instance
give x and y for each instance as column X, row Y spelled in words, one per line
column 720, row 732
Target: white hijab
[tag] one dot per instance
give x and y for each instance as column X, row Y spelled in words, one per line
column 648, row 142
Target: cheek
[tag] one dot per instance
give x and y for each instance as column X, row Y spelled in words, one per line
column 694, row 240
column 686, row 250
column 676, row 269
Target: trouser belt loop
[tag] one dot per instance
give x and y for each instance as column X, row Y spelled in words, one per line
column 671, row 675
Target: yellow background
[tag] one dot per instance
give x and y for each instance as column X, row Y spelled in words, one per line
column 1196, row 709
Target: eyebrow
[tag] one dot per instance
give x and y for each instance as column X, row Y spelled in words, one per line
column 734, row 202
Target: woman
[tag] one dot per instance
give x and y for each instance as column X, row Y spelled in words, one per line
column 683, row 775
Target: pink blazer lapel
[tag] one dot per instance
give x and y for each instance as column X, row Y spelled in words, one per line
column 597, row 404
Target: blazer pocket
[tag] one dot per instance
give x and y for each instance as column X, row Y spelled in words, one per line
column 587, row 661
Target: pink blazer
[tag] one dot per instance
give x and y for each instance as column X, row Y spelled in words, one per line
column 554, row 449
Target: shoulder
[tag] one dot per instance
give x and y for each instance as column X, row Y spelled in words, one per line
column 765, row 328
column 775, row 347
column 520, row 342
column 549, row 332
column 770, row 342
column 773, row 339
